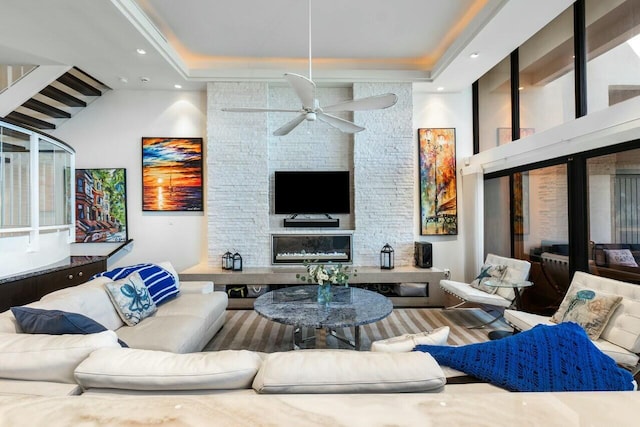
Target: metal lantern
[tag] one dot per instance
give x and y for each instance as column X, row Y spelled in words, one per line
column 237, row 262
column 227, row 261
column 386, row 257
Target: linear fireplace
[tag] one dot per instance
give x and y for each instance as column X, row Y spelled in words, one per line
column 296, row 248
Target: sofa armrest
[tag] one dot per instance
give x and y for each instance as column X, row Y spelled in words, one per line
column 196, row 287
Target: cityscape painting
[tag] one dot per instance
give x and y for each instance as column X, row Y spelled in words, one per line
column 438, row 194
column 172, row 174
column 101, row 205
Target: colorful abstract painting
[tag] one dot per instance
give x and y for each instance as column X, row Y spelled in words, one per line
column 101, row 205
column 438, row 194
column 172, row 174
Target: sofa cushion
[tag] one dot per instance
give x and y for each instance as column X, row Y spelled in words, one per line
column 347, row 371
column 160, row 282
column 466, row 292
column 89, row 299
column 133, row 369
column 407, row 342
column 43, row 357
column 131, row 299
column 544, row 358
column 176, row 334
column 588, row 308
column 55, row 322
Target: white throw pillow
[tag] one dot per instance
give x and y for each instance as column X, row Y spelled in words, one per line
column 622, row 257
column 135, row 369
column 40, row 357
column 348, row 371
column 407, row 342
column 488, row 272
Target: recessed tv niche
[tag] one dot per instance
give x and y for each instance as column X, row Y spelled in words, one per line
column 312, row 192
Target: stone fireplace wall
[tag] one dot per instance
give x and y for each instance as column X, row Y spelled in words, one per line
column 242, row 155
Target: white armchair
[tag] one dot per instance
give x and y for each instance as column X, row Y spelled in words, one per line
column 517, row 271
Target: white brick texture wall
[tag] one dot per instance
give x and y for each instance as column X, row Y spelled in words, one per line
column 242, row 156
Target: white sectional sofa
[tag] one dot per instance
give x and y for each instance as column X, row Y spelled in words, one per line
column 184, row 324
column 620, row 339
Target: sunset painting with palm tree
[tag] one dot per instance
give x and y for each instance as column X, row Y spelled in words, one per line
column 172, row 174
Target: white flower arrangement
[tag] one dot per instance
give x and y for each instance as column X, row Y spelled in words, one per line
column 322, row 274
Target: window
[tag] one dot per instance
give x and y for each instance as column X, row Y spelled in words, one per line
column 613, row 38
column 494, row 106
column 546, row 78
column 614, row 215
column 15, row 173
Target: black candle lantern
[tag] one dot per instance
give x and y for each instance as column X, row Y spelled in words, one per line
column 227, row 261
column 386, row 257
column 237, row 262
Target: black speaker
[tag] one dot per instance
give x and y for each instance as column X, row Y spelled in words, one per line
column 423, row 254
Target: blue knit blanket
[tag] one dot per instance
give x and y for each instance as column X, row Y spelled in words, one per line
column 545, row 358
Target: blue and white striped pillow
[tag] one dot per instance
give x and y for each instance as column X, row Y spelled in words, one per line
column 160, row 282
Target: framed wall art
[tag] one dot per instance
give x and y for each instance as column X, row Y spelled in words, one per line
column 172, row 174
column 438, row 191
column 101, row 205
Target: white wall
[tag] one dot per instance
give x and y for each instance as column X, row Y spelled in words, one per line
column 107, row 134
column 447, row 110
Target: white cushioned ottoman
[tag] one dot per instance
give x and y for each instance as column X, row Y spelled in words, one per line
column 348, row 371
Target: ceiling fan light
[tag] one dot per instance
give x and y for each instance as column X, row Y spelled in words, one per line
column 311, row 117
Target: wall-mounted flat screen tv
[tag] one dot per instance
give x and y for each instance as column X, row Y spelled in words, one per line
column 312, row 192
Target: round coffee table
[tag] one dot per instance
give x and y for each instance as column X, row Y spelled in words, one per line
column 298, row 306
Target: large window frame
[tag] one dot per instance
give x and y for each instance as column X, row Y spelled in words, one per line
column 36, row 223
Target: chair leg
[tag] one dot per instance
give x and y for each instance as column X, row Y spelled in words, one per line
column 482, row 325
column 455, row 306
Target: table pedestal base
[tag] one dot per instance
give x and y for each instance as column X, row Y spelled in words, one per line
column 320, row 338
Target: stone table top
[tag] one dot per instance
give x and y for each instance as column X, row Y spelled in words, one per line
column 298, row 306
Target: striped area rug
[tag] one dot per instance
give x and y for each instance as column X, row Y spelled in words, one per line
column 246, row 330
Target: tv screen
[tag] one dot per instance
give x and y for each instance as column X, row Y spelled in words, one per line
column 312, row 192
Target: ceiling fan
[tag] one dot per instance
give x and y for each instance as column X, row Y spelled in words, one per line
column 311, row 110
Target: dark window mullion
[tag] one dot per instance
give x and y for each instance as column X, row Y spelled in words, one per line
column 515, row 95
column 580, row 52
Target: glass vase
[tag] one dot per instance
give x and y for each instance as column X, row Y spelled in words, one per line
column 324, row 294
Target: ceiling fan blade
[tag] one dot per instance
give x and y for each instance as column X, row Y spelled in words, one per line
column 258, row 110
column 305, row 89
column 341, row 124
column 376, row 102
column 288, row 127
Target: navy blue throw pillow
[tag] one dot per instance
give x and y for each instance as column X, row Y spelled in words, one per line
column 56, row 322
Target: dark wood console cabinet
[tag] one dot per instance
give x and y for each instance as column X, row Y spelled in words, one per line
column 31, row 286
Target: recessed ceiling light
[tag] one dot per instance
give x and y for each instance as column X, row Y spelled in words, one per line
column 141, row 51
column 177, row 86
column 123, row 80
column 474, row 55
column 145, row 79
column 440, row 89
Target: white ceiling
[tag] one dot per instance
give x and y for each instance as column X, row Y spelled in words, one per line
column 193, row 41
